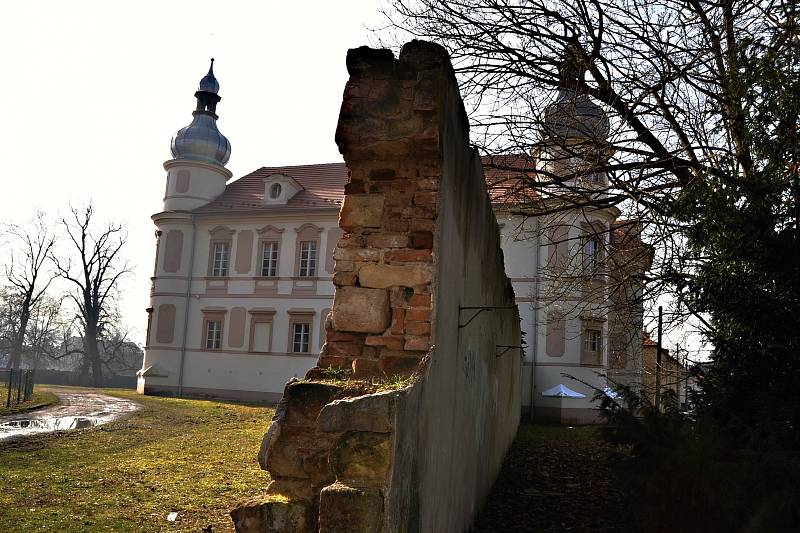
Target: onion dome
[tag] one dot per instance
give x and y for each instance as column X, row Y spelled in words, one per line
column 209, row 83
column 574, row 115
column 201, row 140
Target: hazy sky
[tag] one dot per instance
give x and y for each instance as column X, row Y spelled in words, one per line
column 92, row 92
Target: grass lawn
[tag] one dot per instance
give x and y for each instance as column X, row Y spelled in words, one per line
column 195, row 457
column 40, row 399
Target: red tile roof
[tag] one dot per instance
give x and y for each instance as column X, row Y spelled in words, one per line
column 323, row 186
column 509, row 179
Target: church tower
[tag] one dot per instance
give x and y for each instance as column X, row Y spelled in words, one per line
column 575, row 129
column 197, row 175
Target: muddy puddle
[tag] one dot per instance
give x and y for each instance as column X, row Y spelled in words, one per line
column 78, row 410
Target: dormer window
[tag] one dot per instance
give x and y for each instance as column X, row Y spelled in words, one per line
column 280, row 188
column 275, row 191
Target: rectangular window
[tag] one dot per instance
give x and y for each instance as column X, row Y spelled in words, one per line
column 269, row 259
column 301, row 338
column 592, row 340
column 308, row 259
column 591, row 254
column 222, row 258
column 213, row 334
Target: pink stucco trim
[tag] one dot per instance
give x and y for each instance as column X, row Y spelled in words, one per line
column 173, row 250
column 236, row 331
column 165, row 327
column 182, row 181
column 244, row 252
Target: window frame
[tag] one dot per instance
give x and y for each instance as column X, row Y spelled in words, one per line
column 220, row 235
column 261, row 316
column 309, row 269
column 224, row 270
column 308, row 233
column 275, row 261
column 207, row 322
column 300, row 316
column 306, row 333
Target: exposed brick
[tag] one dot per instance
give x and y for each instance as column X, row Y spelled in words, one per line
column 399, row 297
column 380, row 186
column 428, row 184
column 343, row 266
column 420, row 299
column 334, row 361
column 384, row 276
column 409, row 256
column 361, row 210
column 332, row 335
column 356, row 254
column 365, row 368
column 398, row 365
column 360, row 310
column 421, row 239
column 398, row 321
column 351, row 240
column 422, row 211
column 414, row 327
column 370, row 352
column 382, row 174
column 355, row 187
column 389, row 341
column 419, row 313
column 425, row 198
column 350, row 349
column 422, row 224
column 387, row 240
column 344, row 278
column 395, row 223
column 414, row 342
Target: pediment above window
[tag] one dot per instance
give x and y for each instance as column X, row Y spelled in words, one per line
column 221, row 232
column 280, row 188
column 270, row 231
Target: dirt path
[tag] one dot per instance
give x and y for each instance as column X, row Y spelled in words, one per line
column 555, row 479
column 78, row 409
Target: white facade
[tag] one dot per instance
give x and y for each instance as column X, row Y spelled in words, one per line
column 237, row 310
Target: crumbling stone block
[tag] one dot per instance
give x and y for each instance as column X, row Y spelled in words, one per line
column 385, row 276
column 344, row 509
column 271, row 514
column 370, row 413
column 361, row 211
column 361, row 310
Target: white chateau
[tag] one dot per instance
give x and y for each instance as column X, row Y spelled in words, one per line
column 243, row 271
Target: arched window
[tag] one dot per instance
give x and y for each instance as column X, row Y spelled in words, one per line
column 275, row 191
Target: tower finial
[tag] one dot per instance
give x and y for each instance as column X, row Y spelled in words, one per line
column 572, row 66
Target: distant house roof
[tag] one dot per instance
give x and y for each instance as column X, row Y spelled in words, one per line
column 507, row 176
column 323, row 186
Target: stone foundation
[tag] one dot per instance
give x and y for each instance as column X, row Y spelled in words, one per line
column 404, row 422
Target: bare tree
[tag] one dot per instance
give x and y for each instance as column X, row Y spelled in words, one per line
column 28, row 279
column 667, row 73
column 94, row 268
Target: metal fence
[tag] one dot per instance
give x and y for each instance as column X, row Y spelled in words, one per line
column 16, row 386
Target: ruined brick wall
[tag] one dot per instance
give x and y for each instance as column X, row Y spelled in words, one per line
column 403, row 424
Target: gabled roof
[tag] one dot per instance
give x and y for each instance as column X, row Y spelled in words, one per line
column 508, row 180
column 323, row 186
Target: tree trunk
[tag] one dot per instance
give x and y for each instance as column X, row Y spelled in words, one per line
column 19, row 340
column 93, row 356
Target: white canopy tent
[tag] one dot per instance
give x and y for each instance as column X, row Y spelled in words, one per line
column 562, row 391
